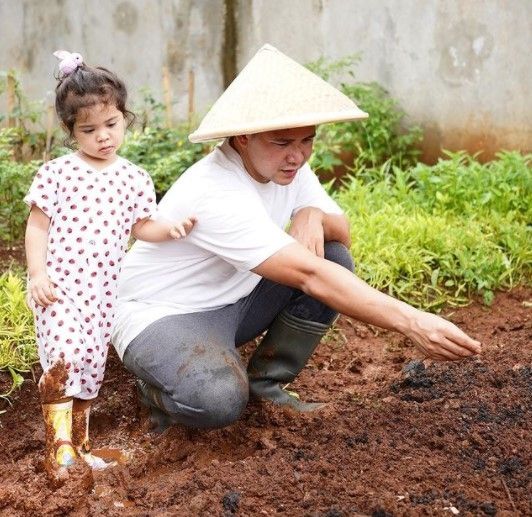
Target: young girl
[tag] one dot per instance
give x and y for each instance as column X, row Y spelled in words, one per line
column 83, row 208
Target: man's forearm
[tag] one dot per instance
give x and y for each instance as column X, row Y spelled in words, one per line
column 334, row 227
column 344, row 292
column 335, row 286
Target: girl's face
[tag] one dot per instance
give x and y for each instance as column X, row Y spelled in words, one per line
column 99, row 131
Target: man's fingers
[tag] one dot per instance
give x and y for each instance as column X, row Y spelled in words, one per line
column 434, row 353
column 469, row 343
column 456, row 349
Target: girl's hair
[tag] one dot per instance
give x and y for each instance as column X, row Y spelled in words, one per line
column 86, row 87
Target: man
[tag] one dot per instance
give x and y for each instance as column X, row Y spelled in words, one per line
column 186, row 305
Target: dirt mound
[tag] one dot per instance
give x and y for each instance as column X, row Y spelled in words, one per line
column 398, row 437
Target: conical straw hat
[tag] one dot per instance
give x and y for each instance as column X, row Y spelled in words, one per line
column 274, row 92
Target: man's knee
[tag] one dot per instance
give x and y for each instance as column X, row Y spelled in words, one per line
column 215, row 403
column 338, row 253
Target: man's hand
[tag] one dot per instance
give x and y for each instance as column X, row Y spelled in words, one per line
column 439, row 339
column 307, row 229
column 183, row 228
column 41, row 290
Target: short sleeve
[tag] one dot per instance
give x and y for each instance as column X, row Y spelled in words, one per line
column 145, row 203
column 237, row 229
column 312, row 193
column 43, row 191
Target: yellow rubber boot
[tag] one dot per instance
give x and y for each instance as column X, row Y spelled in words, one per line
column 60, row 453
column 81, row 441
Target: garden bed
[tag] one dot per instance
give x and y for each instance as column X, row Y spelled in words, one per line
column 398, row 437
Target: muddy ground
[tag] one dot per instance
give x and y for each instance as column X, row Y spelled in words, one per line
column 398, row 437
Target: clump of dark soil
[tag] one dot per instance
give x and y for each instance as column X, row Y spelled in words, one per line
column 399, row 437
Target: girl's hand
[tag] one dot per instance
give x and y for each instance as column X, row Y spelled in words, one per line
column 183, row 228
column 41, row 290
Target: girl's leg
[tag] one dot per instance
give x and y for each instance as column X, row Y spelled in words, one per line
column 57, row 413
column 80, row 435
column 65, row 352
column 59, row 452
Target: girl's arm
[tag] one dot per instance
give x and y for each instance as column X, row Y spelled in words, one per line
column 40, row 287
column 158, row 231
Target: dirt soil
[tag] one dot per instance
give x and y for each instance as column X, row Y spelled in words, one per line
column 398, row 437
column 11, row 255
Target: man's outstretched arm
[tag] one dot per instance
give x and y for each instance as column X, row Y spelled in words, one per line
column 344, row 292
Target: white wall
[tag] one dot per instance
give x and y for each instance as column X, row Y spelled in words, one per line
column 134, row 38
column 461, row 68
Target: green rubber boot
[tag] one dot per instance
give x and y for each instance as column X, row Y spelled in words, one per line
column 280, row 356
column 150, row 398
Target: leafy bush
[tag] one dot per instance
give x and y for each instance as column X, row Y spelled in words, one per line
column 383, row 137
column 15, row 179
column 164, row 153
column 440, row 234
column 462, row 185
column 17, row 338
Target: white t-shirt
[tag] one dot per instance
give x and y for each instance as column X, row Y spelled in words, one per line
column 240, row 224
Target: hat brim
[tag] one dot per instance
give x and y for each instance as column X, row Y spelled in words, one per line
column 288, row 123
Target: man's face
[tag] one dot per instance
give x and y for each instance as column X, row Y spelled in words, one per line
column 276, row 155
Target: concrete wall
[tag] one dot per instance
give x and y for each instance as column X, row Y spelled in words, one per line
column 134, row 38
column 459, row 67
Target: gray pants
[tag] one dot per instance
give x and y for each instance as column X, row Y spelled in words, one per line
column 192, row 358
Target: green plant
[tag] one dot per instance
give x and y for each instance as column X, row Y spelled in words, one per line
column 439, row 235
column 381, row 138
column 28, row 137
column 150, row 111
column 164, row 153
column 17, row 339
column 15, row 179
column 461, row 185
